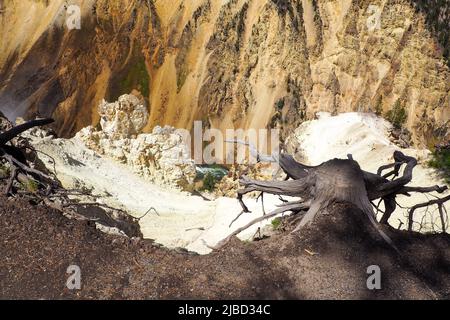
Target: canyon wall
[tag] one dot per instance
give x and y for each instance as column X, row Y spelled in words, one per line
column 230, row 63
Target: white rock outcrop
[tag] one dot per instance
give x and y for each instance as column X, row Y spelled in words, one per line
column 160, row 157
column 124, row 118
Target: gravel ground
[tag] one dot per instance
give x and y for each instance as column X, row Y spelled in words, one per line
column 328, row 260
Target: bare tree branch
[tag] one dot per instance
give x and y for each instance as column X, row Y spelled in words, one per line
column 439, row 202
column 15, row 131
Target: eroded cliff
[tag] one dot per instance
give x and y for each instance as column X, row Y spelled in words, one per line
column 236, row 63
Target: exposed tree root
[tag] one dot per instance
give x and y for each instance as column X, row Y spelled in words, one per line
column 295, row 207
column 339, row 180
column 439, row 202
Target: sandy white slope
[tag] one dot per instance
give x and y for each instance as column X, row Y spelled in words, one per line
column 182, row 220
column 365, row 136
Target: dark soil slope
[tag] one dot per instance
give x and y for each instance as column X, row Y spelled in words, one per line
column 38, row 244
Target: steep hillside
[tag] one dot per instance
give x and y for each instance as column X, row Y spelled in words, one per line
column 245, row 63
column 437, row 14
column 329, row 260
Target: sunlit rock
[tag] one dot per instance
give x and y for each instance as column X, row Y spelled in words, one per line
column 160, row 157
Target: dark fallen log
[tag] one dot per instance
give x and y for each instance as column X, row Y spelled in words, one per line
column 7, row 136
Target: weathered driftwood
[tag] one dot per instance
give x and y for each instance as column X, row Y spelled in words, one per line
column 340, row 180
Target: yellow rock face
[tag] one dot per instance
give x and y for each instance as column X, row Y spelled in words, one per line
column 233, row 63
